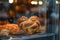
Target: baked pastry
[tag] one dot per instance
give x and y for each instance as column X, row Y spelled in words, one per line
column 26, row 24
column 33, row 18
column 22, row 19
column 30, row 27
column 13, row 28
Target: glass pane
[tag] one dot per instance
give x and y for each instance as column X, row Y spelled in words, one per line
column 28, row 18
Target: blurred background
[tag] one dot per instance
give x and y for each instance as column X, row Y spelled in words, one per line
column 50, row 7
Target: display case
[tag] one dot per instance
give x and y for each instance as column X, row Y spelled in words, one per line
column 29, row 20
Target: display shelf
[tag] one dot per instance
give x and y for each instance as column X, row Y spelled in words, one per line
column 37, row 36
column 32, row 36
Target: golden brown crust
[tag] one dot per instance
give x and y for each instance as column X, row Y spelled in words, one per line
column 31, row 25
column 13, row 28
column 22, row 19
column 34, row 18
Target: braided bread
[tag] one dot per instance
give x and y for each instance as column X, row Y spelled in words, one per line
column 13, row 28
column 31, row 26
